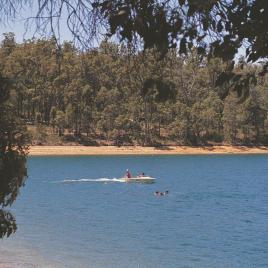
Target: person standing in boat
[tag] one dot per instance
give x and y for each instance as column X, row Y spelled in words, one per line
column 128, row 175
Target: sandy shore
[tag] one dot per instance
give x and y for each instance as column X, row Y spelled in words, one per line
column 138, row 150
column 17, row 254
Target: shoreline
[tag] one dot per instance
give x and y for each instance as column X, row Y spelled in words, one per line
column 139, row 150
column 16, row 253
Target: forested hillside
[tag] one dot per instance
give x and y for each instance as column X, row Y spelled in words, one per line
column 110, row 95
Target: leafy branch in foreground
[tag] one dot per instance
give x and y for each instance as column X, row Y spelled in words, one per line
column 219, row 27
column 14, row 142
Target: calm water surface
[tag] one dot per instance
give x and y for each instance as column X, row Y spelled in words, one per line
column 216, row 214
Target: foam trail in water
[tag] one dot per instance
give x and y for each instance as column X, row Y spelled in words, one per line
column 93, row 180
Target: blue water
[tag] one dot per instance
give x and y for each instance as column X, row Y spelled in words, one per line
column 216, row 214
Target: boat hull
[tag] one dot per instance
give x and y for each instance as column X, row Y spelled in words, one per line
column 144, row 179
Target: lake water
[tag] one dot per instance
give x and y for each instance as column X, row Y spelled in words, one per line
column 216, row 214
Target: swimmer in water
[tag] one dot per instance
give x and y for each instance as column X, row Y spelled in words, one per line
column 157, row 193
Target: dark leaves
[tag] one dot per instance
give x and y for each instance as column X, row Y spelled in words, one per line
column 224, row 77
column 14, row 141
column 201, row 50
column 219, row 26
column 158, row 89
column 159, row 24
column 4, row 92
column 183, row 48
column 205, row 22
column 7, row 224
column 242, row 86
column 236, row 82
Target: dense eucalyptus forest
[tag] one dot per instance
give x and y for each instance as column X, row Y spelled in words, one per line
column 110, row 95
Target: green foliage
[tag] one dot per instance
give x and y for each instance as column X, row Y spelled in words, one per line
column 14, row 141
column 110, row 95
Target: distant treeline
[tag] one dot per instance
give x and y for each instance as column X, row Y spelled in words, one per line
column 111, row 93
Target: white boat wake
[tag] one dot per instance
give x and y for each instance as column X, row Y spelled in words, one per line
column 93, row 180
column 141, row 179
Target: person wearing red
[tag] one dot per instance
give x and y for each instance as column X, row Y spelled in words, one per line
column 128, row 175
